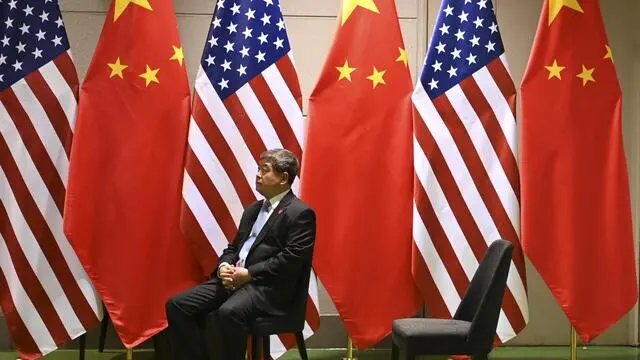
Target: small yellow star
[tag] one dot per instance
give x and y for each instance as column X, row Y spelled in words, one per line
column 116, row 68
column 377, row 77
column 586, row 75
column 403, row 56
column 348, row 6
column 554, row 70
column 178, row 54
column 609, row 54
column 121, row 6
column 556, row 5
column 345, row 71
column 150, row 76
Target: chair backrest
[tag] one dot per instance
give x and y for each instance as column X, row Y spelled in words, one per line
column 299, row 308
column 483, row 299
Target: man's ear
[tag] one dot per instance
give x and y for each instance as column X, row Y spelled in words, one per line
column 285, row 178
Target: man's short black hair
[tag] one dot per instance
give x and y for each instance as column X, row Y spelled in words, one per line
column 282, row 161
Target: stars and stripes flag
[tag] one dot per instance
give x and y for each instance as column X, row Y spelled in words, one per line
column 46, row 296
column 467, row 187
column 247, row 99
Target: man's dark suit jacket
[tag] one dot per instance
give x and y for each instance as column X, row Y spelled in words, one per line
column 282, row 249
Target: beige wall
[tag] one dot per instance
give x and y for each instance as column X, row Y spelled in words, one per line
column 311, row 24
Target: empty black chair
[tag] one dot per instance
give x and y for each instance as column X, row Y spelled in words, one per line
column 292, row 323
column 473, row 327
column 103, row 335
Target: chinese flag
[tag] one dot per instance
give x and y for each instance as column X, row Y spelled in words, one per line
column 123, row 202
column 576, row 212
column 357, row 172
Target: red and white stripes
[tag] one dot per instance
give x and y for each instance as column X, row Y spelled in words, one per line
column 226, row 139
column 467, row 191
column 45, row 294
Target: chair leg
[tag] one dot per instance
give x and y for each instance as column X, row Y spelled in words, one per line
column 266, row 347
column 409, row 355
column 395, row 352
column 104, row 325
column 256, row 343
column 83, row 345
column 302, row 347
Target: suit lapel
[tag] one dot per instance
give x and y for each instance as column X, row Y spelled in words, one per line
column 274, row 216
column 251, row 218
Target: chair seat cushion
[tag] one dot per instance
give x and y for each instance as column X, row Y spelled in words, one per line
column 432, row 336
column 274, row 325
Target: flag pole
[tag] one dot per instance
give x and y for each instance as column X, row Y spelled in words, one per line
column 574, row 344
column 129, row 354
column 350, row 351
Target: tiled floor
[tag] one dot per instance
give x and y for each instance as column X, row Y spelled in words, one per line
column 507, row 353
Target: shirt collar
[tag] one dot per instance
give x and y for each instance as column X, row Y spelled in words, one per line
column 276, row 199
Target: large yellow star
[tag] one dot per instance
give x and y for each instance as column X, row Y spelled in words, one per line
column 178, row 54
column 345, row 71
column 554, row 70
column 377, row 77
column 121, row 5
column 403, row 56
column 150, row 76
column 609, row 54
column 116, row 68
column 348, row 6
column 586, row 75
column 556, row 5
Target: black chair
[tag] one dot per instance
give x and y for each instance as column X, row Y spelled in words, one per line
column 473, row 327
column 103, row 335
column 292, row 323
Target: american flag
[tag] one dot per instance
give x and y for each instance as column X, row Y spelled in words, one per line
column 46, row 295
column 467, row 188
column 247, row 100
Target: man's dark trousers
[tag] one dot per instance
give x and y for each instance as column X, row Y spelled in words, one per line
column 186, row 315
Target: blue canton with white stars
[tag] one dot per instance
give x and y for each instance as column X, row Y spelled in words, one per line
column 32, row 34
column 245, row 38
column 466, row 38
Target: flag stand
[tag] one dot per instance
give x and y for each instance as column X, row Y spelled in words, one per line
column 574, row 343
column 129, row 354
column 350, row 351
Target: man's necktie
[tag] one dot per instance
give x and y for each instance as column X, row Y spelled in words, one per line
column 255, row 230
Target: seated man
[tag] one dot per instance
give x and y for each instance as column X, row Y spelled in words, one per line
column 257, row 274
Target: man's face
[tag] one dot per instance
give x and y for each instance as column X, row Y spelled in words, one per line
column 270, row 182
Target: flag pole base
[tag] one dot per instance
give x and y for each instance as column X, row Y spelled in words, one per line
column 574, row 344
column 350, row 351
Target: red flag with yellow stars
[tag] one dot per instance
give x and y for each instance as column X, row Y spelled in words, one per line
column 123, row 202
column 357, row 172
column 576, row 212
